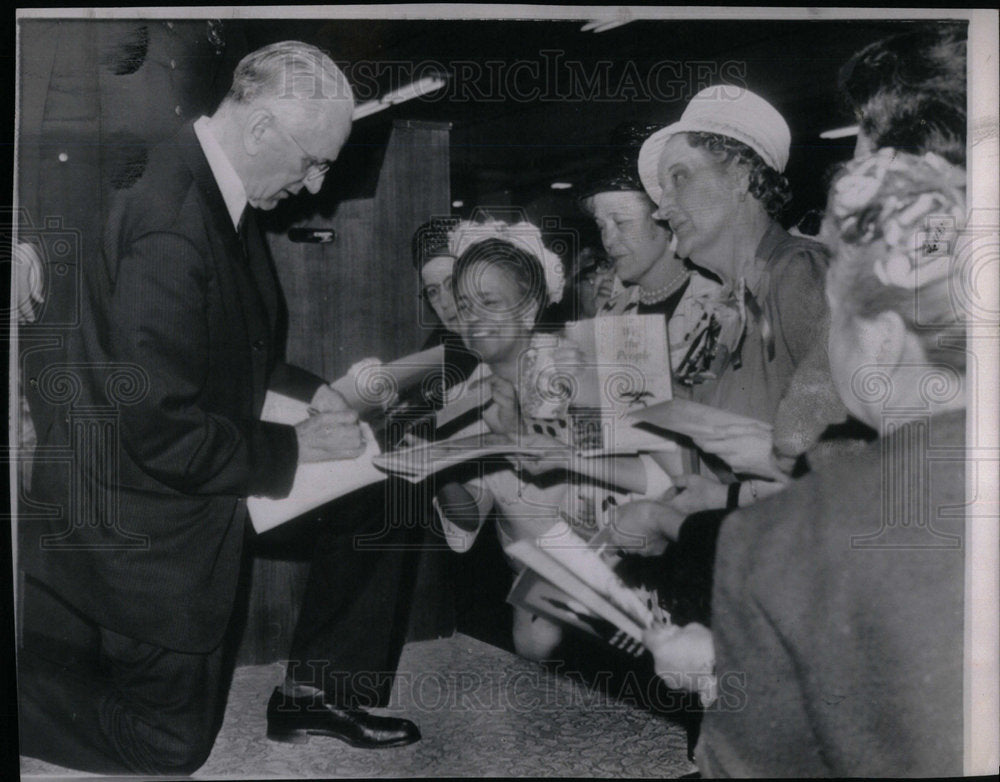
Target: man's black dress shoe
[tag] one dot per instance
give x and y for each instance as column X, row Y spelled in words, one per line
column 294, row 719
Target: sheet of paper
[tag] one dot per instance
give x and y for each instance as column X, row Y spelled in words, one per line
column 314, row 484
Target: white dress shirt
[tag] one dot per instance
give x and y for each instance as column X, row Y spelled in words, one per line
column 233, row 192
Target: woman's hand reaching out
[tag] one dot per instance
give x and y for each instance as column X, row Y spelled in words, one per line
column 746, row 448
column 684, row 657
column 545, row 454
column 696, row 493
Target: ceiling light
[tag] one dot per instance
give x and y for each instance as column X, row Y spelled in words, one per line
column 457, row 204
column 417, row 89
column 561, row 185
column 600, row 25
column 840, row 132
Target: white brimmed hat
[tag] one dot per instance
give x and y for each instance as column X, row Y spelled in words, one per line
column 727, row 111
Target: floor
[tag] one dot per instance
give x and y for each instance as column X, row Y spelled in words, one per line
column 482, row 712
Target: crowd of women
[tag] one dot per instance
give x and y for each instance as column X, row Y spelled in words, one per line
column 846, row 646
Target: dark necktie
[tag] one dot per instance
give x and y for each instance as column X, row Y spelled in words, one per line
column 255, row 253
column 248, row 223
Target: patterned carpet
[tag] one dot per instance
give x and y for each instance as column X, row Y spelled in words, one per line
column 482, row 712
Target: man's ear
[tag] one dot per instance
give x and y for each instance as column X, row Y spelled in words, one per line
column 258, row 123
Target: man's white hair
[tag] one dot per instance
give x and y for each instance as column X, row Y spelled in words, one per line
column 297, row 72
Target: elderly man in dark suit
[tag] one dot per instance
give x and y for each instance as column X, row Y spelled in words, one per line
column 131, row 578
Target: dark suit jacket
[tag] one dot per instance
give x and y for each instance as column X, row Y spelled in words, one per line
column 158, row 439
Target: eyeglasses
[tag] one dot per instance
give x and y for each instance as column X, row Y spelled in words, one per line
column 314, row 168
column 432, row 293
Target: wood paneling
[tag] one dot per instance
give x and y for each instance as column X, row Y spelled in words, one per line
column 353, row 298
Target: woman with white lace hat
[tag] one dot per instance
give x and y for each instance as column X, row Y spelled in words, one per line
column 505, row 278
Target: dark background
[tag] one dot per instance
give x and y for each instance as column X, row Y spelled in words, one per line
column 516, row 130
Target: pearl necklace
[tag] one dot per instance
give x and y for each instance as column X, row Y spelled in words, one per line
column 657, row 295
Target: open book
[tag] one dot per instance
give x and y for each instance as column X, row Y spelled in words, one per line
column 572, row 582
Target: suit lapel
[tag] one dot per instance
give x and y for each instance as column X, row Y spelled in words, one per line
column 238, row 283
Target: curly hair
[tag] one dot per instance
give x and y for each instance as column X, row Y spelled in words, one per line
column 908, row 91
column 859, row 238
column 520, row 266
column 766, row 185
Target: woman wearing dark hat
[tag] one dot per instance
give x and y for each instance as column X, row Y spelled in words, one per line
column 650, row 277
column 434, row 262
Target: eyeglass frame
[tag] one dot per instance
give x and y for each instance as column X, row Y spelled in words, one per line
column 315, row 168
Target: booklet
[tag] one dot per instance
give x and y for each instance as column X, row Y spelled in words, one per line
column 686, row 417
column 627, row 363
column 572, row 581
column 535, row 594
column 626, row 369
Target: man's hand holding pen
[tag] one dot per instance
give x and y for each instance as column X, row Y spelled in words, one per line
column 331, row 431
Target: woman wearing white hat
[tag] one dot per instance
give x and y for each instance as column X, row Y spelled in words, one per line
column 837, row 606
column 716, row 176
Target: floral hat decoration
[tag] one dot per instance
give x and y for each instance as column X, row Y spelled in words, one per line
column 523, row 235
column 914, row 204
